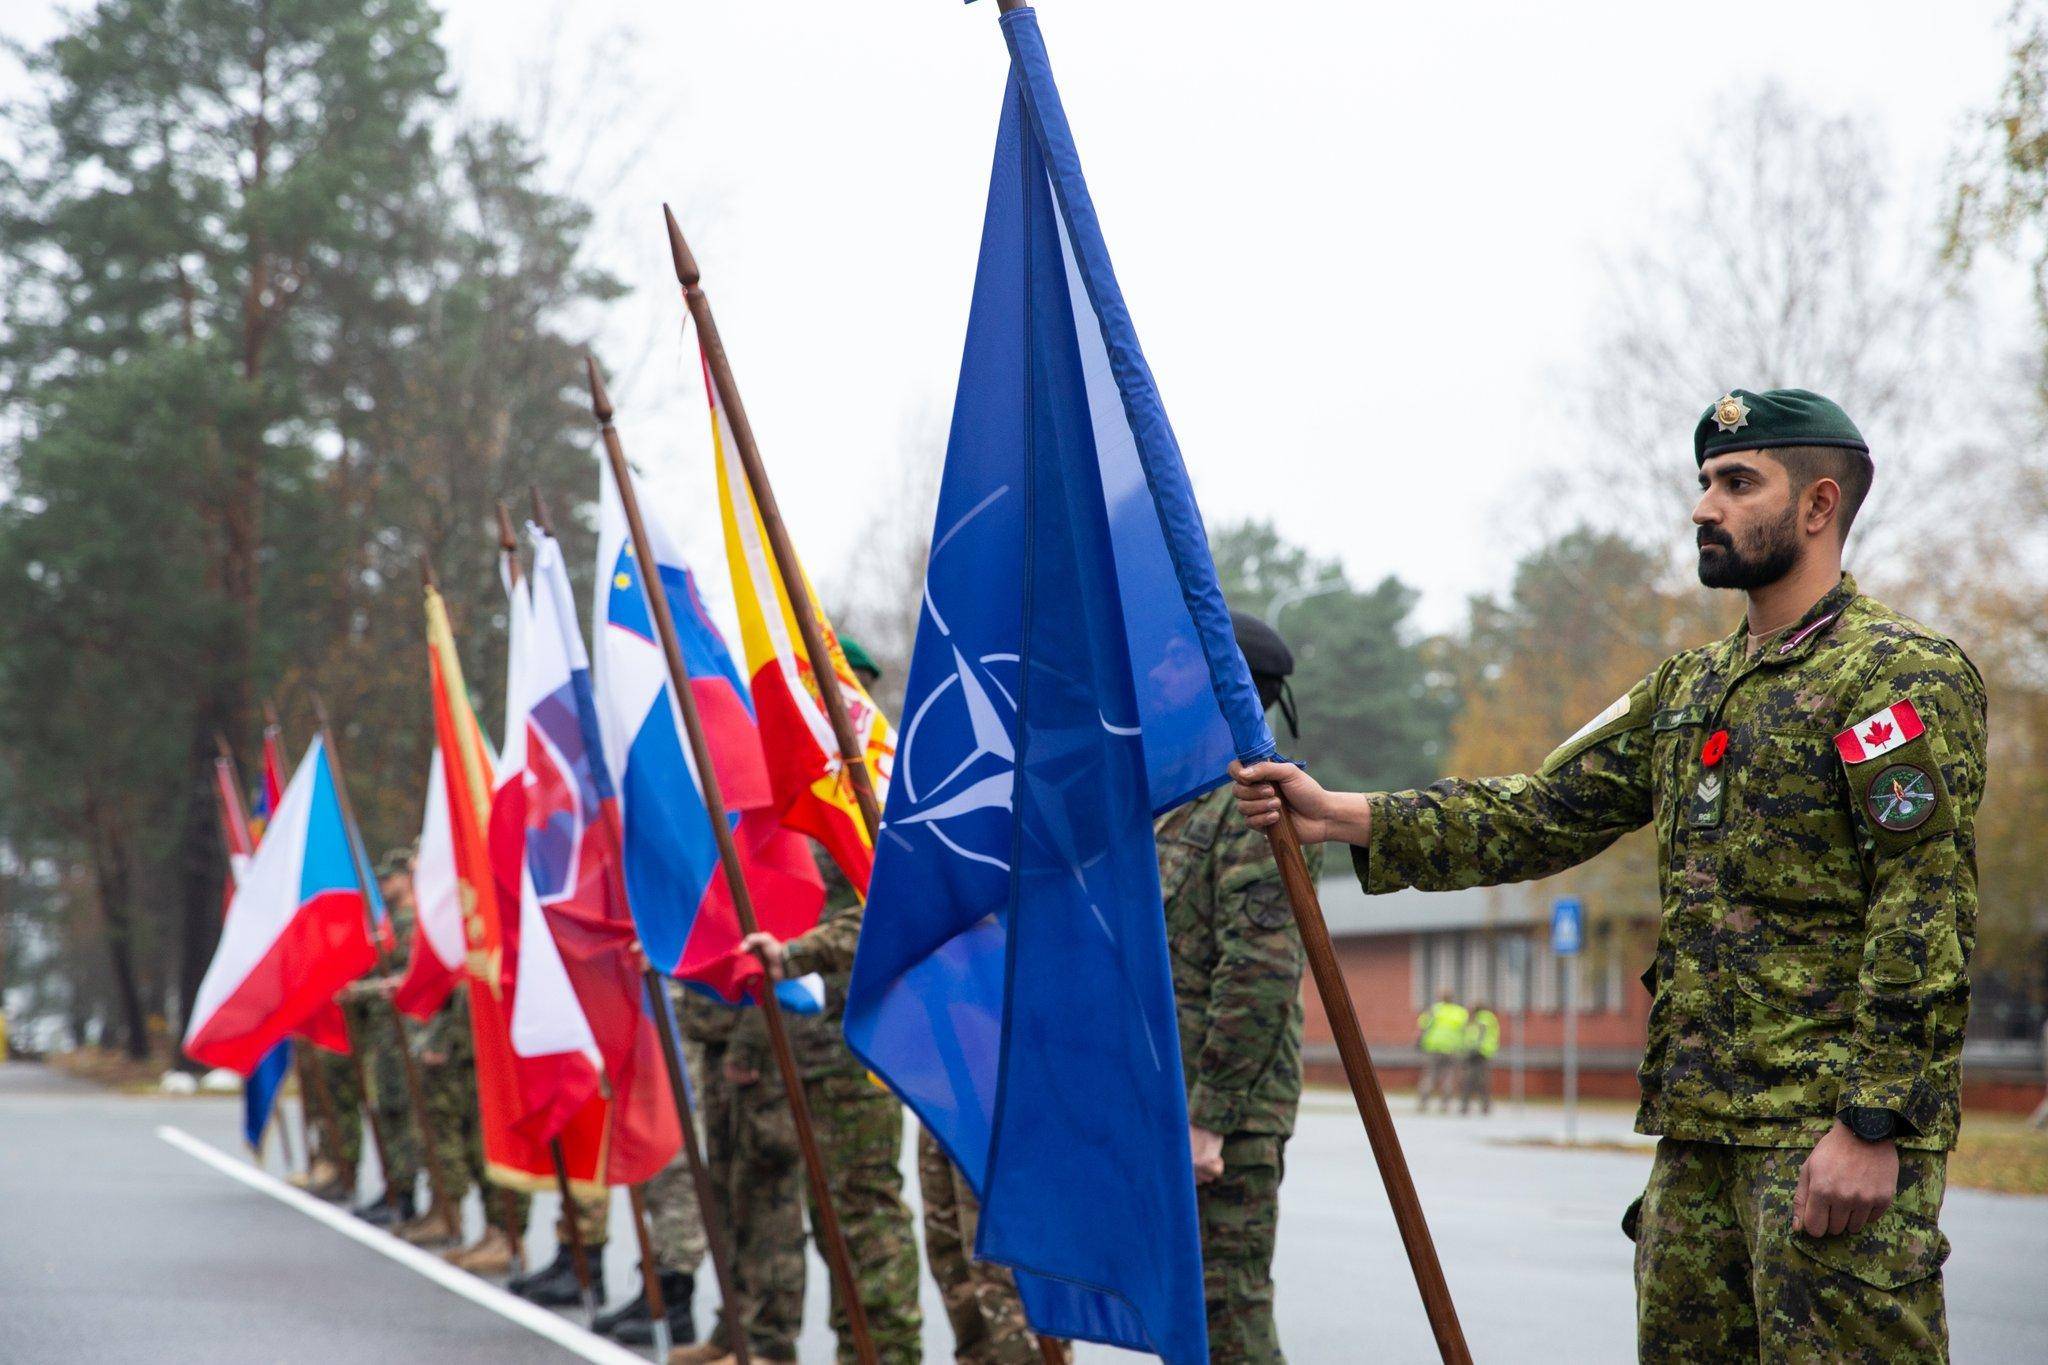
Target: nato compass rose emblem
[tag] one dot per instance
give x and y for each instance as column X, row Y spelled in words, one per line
column 1900, row 798
column 958, row 757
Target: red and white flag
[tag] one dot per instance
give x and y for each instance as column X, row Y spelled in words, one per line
column 1880, row 733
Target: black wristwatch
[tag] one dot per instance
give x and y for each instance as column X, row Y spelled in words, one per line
column 1872, row 1125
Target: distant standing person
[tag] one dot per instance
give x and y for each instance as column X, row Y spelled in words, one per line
column 1482, row 1040
column 1440, row 1033
column 1813, row 780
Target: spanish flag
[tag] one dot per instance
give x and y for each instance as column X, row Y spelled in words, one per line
column 813, row 793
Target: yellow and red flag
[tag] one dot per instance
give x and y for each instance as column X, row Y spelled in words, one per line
column 813, row 793
column 513, row 1157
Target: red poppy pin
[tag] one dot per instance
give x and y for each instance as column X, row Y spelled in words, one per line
column 1714, row 748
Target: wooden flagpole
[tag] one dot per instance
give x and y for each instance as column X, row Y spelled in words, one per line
column 715, row 1238
column 416, row 1091
column 577, row 1257
column 852, row 753
column 1358, row 1069
column 853, row 756
column 650, row 1275
column 831, row 1235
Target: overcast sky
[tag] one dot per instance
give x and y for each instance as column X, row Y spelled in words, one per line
column 1360, row 241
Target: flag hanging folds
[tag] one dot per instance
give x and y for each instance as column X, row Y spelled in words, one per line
column 294, row 933
column 680, row 902
column 272, row 787
column 240, row 836
column 573, row 860
column 812, row 791
column 435, row 968
column 1013, row 983
column 513, row 1159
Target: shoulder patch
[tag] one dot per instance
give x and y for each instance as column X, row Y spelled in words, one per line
column 1901, row 797
column 1880, row 732
column 1630, row 711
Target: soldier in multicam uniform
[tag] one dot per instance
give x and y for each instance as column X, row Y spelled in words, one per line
column 860, row 1131
column 1814, row 780
column 982, row 1306
column 378, row 1034
column 1237, row 963
column 448, row 1075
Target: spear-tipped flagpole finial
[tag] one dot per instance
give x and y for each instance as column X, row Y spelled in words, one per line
column 507, row 542
column 540, row 510
column 427, row 578
column 686, row 264
column 600, row 401
column 270, row 714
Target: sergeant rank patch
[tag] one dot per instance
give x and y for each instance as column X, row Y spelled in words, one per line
column 1900, row 798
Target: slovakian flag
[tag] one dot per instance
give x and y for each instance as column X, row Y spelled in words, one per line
column 1877, row 735
column 573, row 868
column 1075, row 674
column 435, row 968
column 295, row 931
column 512, row 1158
column 812, row 791
column 681, row 904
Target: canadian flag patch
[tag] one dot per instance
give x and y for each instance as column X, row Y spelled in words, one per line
column 1878, row 734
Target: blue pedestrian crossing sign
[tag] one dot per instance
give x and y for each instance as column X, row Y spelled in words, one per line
column 1566, row 925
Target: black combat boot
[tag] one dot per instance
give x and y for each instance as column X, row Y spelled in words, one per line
column 561, row 1264
column 556, row 1286
column 638, row 1330
column 387, row 1211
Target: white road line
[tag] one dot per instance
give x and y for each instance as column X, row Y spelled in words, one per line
column 484, row 1294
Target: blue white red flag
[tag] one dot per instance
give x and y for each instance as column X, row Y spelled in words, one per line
column 573, row 858
column 680, row 900
column 1013, row 983
column 294, row 933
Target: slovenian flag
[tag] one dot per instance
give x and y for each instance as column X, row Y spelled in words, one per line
column 680, row 901
column 295, row 933
column 1075, row 674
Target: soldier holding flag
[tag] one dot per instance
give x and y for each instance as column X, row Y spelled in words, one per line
column 1813, row 779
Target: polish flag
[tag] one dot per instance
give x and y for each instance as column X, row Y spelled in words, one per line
column 1880, row 733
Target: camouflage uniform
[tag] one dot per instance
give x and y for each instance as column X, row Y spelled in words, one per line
column 982, row 1306
column 860, row 1130
column 1818, row 915
column 448, row 1076
column 340, row 1074
column 1237, row 963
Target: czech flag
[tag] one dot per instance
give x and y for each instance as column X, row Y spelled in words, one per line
column 680, row 901
column 296, row 930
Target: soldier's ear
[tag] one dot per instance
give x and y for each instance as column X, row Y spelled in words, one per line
column 1820, row 504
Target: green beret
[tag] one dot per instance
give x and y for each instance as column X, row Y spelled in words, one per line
column 1780, row 417
column 856, row 657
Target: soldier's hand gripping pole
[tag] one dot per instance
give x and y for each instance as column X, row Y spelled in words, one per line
column 1365, row 1089
column 830, row 1234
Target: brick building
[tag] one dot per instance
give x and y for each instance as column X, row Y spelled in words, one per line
column 1487, row 945
column 1492, row 945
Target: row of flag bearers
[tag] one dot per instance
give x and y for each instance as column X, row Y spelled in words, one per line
column 662, row 814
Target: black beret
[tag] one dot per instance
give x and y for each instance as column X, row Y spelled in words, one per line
column 1741, row 420
column 1265, row 653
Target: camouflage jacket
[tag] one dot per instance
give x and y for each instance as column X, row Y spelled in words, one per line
column 1237, row 962
column 1815, row 808
column 815, row 1039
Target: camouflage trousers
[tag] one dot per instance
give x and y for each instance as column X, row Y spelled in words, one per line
column 459, row 1142
column 337, row 1074
column 756, row 1172
column 989, row 1327
column 675, row 1223
column 1240, row 1218
column 377, row 1033
column 1723, row 1275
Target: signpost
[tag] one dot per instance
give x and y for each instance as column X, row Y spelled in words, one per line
column 1567, row 931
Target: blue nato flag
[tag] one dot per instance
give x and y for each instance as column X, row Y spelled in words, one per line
column 1074, row 676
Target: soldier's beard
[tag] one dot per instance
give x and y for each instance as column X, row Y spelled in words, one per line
column 1766, row 554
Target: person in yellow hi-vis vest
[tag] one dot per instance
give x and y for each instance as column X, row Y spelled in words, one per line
column 1482, row 1040
column 1440, row 1031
